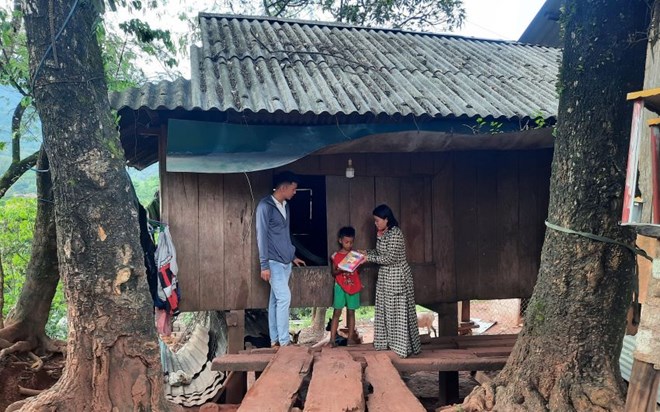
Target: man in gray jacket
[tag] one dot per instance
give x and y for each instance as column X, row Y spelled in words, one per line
column 276, row 253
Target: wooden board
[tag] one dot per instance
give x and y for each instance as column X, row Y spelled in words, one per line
column 466, row 225
column 361, row 205
column 428, row 220
column 508, row 198
column 442, row 207
column 183, row 202
column 450, row 364
column 311, row 286
column 388, row 191
column 487, row 220
column 529, row 218
column 276, row 388
column 643, row 388
column 424, row 283
column 390, row 393
column 412, row 217
column 337, row 209
column 335, row 369
column 237, row 230
column 211, row 241
column 242, row 362
column 261, row 183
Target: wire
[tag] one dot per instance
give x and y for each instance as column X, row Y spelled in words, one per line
column 249, row 225
column 50, row 46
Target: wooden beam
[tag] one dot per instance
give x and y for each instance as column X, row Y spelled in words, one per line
column 450, row 364
column 390, row 393
column 643, row 388
column 237, row 386
column 276, row 388
column 242, row 362
column 336, row 369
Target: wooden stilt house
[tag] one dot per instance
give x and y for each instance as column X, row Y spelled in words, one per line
column 451, row 132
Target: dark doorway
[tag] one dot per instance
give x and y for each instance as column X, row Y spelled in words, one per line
column 308, row 221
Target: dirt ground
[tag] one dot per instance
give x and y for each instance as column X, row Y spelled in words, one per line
column 16, row 372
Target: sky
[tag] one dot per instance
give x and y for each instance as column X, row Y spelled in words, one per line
column 498, row 19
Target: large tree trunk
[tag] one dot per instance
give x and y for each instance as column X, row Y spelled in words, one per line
column 26, row 327
column 566, row 357
column 112, row 355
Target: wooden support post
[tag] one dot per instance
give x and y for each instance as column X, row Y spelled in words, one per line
column 237, row 386
column 522, row 306
column 465, row 311
column 447, row 326
column 448, row 385
column 643, row 388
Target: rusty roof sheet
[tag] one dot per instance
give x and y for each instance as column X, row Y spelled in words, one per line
column 266, row 65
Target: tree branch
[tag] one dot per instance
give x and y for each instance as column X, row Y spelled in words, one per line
column 15, row 171
column 16, row 119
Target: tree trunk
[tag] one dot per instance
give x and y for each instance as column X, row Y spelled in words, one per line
column 318, row 319
column 566, row 357
column 26, row 326
column 112, row 355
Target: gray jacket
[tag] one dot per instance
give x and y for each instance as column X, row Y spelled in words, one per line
column 273, row 236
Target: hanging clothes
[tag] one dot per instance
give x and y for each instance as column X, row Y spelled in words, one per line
column 168, row 290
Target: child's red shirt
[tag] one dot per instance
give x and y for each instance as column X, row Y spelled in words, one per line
column 349, row 282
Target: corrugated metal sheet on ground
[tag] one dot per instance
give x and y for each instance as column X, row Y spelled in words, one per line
column 194, row 358
column 626, row 359
column 270, row 65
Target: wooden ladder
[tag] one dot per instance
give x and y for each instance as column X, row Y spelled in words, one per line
column 645, row 99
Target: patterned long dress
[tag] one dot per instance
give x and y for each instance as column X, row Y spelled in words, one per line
column 395, row 324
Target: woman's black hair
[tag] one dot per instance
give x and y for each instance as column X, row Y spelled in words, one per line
column 384, row 212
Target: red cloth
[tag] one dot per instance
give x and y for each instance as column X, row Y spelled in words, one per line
column 349, row 282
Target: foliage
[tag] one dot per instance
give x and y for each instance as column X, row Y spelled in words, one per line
column 145, row 183
column 400, row 14
column 16, row 227
column 17, row 216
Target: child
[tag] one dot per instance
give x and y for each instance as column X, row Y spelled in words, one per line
column 347, row 285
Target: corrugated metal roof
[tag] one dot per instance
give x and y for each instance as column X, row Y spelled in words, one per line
column 270, row 65
column 163, row 95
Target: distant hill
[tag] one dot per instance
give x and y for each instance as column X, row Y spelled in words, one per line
column 145, row 181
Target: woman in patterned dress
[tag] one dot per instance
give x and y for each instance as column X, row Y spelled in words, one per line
column 395, row 324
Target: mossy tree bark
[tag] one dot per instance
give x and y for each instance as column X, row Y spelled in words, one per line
column 566, row 357
column 112, row 354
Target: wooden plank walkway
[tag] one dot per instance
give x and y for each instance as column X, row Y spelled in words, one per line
column 336, row 383
column 390, row 393
column 278, row 385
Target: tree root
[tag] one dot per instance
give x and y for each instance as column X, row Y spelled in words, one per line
column 17, row 338
column 28, row 391
column 521, row 396
column 38, row 363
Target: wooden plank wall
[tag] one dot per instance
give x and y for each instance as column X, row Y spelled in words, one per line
column 211, row 218
column 473, row 223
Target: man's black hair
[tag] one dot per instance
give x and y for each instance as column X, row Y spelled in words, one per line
column 346, row 231
column 285, row 177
